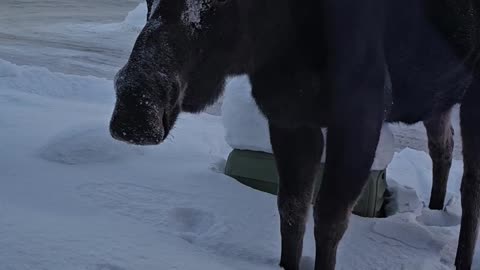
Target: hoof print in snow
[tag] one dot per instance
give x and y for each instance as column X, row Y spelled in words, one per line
column 437, row 218
column 190, row 222
column 406, row 234
column 151, row 206
column 219, row 166
column 447, row 254
column 107, row 266
column 86, row 146
column 307, row 263
column 402, row 199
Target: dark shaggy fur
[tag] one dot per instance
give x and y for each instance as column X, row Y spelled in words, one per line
column 347, row 65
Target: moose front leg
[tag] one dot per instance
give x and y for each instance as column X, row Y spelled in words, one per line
column 356, row 65
column 298, row 153
column 351, row 145
column 440, row 145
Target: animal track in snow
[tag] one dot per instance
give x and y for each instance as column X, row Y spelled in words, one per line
column 438, row 218
column 307, row 263
column 86, row 145
column 107, row 266
column 170, row 211
column 190, row 221
column 407, row 234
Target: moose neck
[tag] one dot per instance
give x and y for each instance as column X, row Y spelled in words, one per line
column 268, row 31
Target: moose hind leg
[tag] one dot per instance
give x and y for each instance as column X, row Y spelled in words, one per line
column 440, row 145
column 298, row 155
column 470, row 189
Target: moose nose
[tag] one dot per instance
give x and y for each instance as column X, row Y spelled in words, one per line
column 137, row 127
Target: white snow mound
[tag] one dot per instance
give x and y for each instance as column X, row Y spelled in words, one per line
column 42, row 82
column 247, row 128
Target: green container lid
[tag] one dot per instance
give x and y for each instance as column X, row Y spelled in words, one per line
column 258, row 170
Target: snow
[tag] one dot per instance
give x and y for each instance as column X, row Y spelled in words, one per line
column 239, row 111
column 73, row 198
column 133, row 22
column 136, row 18
column 246, row 127
column 73, row 37
column 192, row 16
column 154, row 7
column 40, row 81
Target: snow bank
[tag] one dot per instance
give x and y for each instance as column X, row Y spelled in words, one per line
column 87, row 145
column 410, row 180
column 42, row 82
column 247, row 128
column 133, row 23
column 136, row 18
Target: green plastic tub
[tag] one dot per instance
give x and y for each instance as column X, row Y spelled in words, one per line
column 258, row 170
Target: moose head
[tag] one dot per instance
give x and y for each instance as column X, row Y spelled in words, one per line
column 183, row 55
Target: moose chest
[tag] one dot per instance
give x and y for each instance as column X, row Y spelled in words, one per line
column 292, row 100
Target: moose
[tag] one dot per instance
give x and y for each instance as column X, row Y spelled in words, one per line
column 347, row 65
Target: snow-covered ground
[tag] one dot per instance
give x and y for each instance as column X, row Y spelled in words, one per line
column 69, row 36
column 73, row 198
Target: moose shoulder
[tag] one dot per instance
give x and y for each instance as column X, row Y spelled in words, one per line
column 315, row 64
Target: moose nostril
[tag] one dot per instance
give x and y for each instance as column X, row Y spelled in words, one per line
column 116, row 132
column 137, row 137
column 133, row 131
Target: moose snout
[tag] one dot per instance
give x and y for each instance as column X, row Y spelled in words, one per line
column 138, row 125
column 140, row 116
